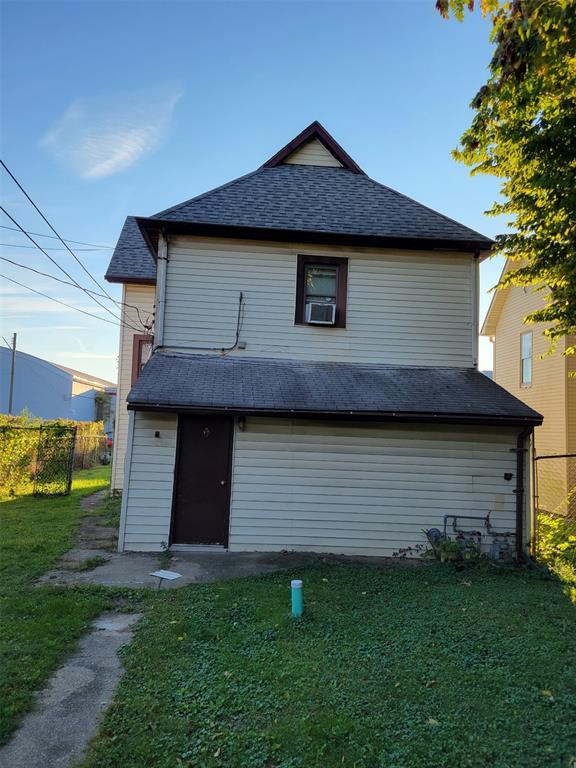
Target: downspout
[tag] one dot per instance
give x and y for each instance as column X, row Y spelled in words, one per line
column 520, row 452
column 475, row 306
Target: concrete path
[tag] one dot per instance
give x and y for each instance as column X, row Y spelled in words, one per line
column 133, row 569
column 68, row 711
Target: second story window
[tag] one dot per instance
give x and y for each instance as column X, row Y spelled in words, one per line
column 141, row 351
column 526, row 359
column 321, row 291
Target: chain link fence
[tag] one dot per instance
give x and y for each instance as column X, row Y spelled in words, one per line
column 91, row 451
column 555, row 506
column 41, row 459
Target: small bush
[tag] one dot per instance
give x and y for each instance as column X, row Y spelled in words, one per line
column 19, row 448
column 557, row 544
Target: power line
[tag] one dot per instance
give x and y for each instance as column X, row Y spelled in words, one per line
column 27, row 196
column 66, row 282
column 53, row 237
column 19, row 245
column 68, row 275
column 58, row 301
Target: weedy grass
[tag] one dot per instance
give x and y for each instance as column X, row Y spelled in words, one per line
column 89, row 564
column 399, row 667
column 39, row 626
column 110, row 511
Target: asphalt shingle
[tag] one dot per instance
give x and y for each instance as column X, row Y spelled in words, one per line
column 292, row 386
column 299, row 198
column 131, row 259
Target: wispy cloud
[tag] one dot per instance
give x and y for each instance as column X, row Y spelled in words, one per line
column 103, row 136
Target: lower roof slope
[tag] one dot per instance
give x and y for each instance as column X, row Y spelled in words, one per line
column 301, row 202
column 292, row 387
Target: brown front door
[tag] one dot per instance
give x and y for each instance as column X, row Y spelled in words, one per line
column 202, row 494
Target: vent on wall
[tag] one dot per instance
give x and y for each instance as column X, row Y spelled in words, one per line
column 320, row 313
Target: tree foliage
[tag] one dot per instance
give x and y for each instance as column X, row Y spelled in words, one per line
column 524, row 132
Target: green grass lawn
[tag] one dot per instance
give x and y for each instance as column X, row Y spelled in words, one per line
column 427, row 667
column 403, row 667
column 39, row 626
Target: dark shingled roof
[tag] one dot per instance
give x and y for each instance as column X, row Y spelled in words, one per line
column 300, row 199
column 131, row 260
column 310, row 198
column 241, row 384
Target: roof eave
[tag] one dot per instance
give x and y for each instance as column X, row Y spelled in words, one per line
column 130, row 279
column 150, row 226
column 409, row 417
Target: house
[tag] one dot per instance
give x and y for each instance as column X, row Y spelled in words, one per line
column 312, row 380
column 544, row 379
column 51, row 391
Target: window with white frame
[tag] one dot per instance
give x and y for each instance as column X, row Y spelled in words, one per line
column 526, row 359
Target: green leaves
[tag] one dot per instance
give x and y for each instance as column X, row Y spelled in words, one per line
column 524, row 132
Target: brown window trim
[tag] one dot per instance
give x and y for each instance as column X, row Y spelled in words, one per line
column 137, row 340
column 341, row 287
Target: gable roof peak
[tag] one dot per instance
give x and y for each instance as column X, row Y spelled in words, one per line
column 314, row 131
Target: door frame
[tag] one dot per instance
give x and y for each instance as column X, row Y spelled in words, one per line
column 232, row 421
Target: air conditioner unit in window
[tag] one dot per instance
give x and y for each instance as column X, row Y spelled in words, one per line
column 320, row 314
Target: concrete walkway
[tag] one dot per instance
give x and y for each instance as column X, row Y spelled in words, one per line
column 69, row 709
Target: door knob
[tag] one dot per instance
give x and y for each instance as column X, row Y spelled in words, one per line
column 222, row 482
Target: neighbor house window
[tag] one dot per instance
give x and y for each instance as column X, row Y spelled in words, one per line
column 526, row 358
column 321, row 290
column 141, row 351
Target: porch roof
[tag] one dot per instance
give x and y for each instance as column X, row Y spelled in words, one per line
column 173, row 381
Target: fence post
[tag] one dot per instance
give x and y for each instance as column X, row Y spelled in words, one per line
column 71, row 460
column 38, row 444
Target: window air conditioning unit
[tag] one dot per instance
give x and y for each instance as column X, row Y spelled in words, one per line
column 320, row 314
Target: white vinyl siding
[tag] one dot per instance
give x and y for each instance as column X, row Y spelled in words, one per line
column 313, row 153
column 364, row 489
column 149, row 500
column 404, row 307
column 138, row 307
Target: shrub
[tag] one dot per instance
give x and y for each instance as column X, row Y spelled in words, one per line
column 19, row 448
column 557, row 544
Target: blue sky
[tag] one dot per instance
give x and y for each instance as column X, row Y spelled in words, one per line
column 117, row 108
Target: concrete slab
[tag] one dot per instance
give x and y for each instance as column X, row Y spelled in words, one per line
column 121, row 570
column 69, row 709
column 133, row 569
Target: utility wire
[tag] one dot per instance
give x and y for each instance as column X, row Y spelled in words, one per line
column 19, row 245
column 53, row 237
column 65, row 244
column 67, row 282
column 58, row 301
column 68, row 275
column 27, row 196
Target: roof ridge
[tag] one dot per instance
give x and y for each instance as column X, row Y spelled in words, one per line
column 427, row 207
column 205, row 194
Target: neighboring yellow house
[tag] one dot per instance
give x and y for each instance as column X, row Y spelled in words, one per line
column 544, row 380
